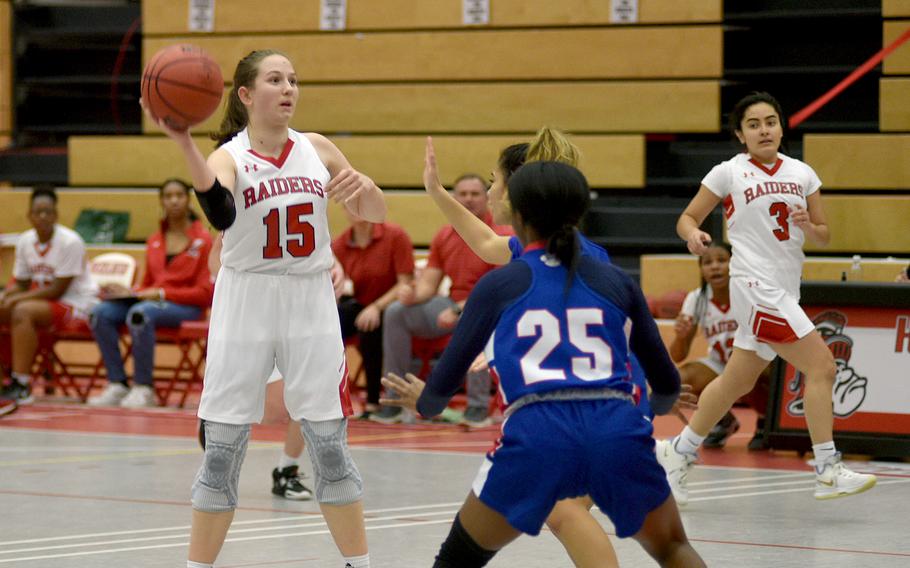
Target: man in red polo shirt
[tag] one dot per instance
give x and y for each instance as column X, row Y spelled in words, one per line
column 422, row 312
column 377, row 258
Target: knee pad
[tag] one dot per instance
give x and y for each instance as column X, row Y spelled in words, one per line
column 338, row 481
column 215, row 486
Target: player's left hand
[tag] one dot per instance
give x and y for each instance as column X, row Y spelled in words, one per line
column 799, row 216
column 348, row 185
column 408, row 389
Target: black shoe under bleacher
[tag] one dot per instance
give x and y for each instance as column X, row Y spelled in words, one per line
column 288, row 483
column 13, row 395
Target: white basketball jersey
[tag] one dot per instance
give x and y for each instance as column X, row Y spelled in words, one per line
column 281, row 225
column 716, row 321
column 61, row 257
column 756, row 199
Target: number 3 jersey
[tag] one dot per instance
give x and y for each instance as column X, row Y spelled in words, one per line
column 539, row 338
column 281, row 225
column 757, row 201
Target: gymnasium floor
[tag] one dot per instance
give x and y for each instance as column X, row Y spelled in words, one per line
column 110, row 488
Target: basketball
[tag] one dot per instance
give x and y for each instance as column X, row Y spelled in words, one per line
column 182, row 85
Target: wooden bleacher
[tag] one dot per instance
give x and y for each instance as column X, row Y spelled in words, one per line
column 898, row 63
column 544, row 54
column 168, row 17
column 476, row 107
column 894, row 110
column 392, row 161
column 662, row 273
column 860, row 161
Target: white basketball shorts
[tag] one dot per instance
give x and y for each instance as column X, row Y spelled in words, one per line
column 765, row 315
column 263, row 321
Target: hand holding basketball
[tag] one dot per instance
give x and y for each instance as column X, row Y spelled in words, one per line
column 181, row 86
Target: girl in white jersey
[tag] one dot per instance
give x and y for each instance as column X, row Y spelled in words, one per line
column 771, row 204
column 267, row 188
column 708, row 307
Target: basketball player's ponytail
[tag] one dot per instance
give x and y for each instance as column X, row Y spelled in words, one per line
column 235, row 116
column 550, row 198
column 551, row 145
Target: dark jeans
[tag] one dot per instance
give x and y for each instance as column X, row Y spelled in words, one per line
column 141, row 317
column 370, row 345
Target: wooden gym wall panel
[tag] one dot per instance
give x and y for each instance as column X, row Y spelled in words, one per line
column 898, row 63
column 143, row 206
column 578, row 107
column 866, row 224
column 6, row 70
column 895, row 8
column 859, row 161
column 169, row 17
column 392, row 161
column 894, row 104
column 478, row 55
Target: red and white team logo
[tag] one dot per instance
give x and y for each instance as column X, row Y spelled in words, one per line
column 849, row 387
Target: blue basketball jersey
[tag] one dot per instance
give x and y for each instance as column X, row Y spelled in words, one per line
column 547, row 340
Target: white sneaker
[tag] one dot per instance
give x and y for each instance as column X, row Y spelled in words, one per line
column 834, row 479
column 140, row 396
column 112, row 395
column 677, row 466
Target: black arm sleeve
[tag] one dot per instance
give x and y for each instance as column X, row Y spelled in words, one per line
column 491, row 295
column 218, row 205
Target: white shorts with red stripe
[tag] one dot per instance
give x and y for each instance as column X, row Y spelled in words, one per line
column 765, row 315
column 261, row 322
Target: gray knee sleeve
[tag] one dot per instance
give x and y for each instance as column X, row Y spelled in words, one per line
column 215, row 486
column 338, row 481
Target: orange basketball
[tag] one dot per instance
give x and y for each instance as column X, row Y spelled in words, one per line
column 182, row 85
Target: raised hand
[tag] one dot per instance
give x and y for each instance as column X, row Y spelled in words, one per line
column 430, row 170
column 408, row 390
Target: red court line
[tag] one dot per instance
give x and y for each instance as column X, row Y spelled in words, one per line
column 801, row 547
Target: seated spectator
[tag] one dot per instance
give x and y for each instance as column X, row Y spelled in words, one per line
column 420, row 311
column 903, row 276
column 176, row 287
column 377, row 258
column 709, row 307
column 51, row 287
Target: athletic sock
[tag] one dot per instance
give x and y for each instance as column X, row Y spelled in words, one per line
column 688, row 441
column 287, row 461
column 191, row 564
column 823, row 451
column 357, row 561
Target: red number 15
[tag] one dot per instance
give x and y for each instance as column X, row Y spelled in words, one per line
column 297, row 247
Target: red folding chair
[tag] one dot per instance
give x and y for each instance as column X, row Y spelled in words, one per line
column 191, row 339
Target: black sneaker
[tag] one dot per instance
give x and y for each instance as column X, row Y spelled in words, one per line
column 718, row 435
column 16, row 391
column 759, row 442
column 8, row 406
column 388, row 415
column 287, row 483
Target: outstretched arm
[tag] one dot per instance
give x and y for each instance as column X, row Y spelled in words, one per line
column 485, row 243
